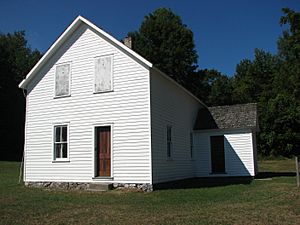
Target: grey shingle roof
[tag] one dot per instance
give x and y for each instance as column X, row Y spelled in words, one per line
column 227, row 117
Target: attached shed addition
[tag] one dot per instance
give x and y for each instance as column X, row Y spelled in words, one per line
column 225, row 141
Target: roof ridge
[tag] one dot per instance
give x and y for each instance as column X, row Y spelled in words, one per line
column 65, row 35
column 219, row 106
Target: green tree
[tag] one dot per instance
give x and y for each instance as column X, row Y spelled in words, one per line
column 253, row 79
column 197, row 84
column 216, row 88
column 288, row 77
column 166, row 42
column 274, row 82
column 210, row 86
column 289, row 43
column 221, row 91
column 289, row 51
column 16, row 59
column 280, row 125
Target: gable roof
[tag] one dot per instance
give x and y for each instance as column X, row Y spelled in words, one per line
column 68, row 32
column 227, row 117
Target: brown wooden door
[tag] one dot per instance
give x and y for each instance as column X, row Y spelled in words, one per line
column 217, row 154
column 103, row 151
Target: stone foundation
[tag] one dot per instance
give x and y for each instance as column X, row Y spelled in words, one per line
column 84, row 186
column 142, row 187
column 58, row 185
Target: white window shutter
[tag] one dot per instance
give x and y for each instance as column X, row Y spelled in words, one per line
column 62, row 80
column 103, row 74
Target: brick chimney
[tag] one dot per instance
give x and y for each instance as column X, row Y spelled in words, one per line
column 128, row 42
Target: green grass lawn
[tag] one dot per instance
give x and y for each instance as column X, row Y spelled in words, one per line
column 275, row 201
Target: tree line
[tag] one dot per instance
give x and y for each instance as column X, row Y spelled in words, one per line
column 16, row 59
column 271, row 80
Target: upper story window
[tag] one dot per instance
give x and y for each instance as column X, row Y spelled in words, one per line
column 103, row 74
column 62, row 80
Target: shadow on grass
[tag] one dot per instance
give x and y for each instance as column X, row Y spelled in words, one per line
column 202, row 182
column 217, row 181
column 264, row 175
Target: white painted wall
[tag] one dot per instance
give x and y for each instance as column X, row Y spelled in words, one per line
column 127, row 108
column 170, row 105
column 239, row 153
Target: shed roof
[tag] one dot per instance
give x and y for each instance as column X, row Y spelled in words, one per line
column 227, row 117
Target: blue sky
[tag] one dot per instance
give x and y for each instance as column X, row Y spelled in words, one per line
column 225, row 31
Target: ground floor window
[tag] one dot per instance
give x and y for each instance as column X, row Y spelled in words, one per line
column 61, row 142
column 169, row 141
column 191, row 145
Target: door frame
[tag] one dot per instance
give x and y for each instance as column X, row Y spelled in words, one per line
column 94, row 144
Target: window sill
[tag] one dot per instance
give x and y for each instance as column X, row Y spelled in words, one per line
column 63, row 96
column 61, row 161
column 102, row 178
column 102, row 92
column 220, row 173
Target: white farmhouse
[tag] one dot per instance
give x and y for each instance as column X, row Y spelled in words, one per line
column 97, row 112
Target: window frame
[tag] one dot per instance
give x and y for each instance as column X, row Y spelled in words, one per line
column 192, row 145
column 70, row 76
column 169, row 143
column 111, row 75
column 54, row 158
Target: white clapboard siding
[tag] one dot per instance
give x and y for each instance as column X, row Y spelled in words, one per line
column 238, row 147
column 127, row 108
column 171, row 105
